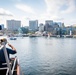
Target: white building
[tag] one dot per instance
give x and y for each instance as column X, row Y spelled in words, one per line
column 41, row 27
column 33, row 25
column 50, row 22
column 13, row 24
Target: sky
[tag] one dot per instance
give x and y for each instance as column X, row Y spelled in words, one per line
column 41, row 10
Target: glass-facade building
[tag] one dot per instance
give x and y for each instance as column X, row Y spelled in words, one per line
column 33, row 25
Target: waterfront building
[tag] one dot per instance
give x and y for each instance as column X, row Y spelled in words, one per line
column 41, row 27
column 68, row 29
column 60, row 24
column 56, row 28
column 73, row 29
column 33, row 25
column 1, row 26
column 50, row 22
column 55, row 25
column 48, row 28
column 13, row 25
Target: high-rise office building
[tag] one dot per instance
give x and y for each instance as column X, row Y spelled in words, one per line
column 41, row 27
column 48, row 25
column 33, row 25
column 61, row 24
column 50, row 22
column 13, row 24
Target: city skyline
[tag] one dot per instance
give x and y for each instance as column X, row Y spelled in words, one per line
column 41, row 10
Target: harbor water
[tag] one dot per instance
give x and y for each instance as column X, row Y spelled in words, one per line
column 46, row 56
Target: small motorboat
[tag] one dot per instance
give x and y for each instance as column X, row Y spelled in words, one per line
column 13, row 38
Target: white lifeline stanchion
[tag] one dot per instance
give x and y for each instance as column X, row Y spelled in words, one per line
column 7, row 59
column 14, row 65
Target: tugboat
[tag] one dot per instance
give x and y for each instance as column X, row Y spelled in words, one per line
column 13, row 67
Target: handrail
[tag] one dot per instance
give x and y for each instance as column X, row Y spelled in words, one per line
column 14, row 65
column 1, row 47
column 4, row 69
column 5, row 63
column 6, row 58
column 9, row 70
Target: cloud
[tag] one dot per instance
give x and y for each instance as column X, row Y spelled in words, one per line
column 25, row 8
column 52, row 10
column 4, row 12
column 57, row 10
column 71, row 7
column 54, row 6
column 16, row 0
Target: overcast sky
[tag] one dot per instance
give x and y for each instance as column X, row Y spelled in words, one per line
column 25, row 10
